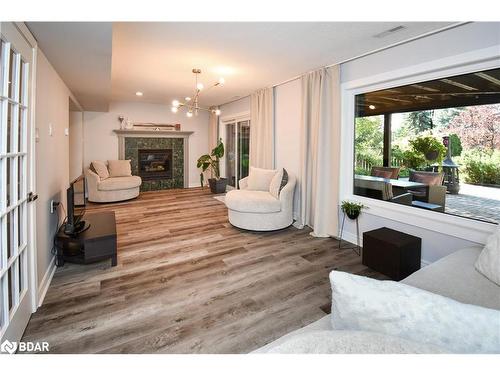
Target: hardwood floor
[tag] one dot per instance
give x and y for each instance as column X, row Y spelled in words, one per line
column 189, row 282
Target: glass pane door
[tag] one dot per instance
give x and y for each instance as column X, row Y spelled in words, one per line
column 230, row 154
column 243, row 148
column 13, row 190
column 236, row 137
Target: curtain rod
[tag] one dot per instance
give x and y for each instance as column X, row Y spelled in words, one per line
column 424, row 35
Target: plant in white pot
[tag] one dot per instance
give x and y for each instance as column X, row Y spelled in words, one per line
column 212, row 162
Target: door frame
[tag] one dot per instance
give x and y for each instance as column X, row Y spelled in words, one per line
column 18, row 34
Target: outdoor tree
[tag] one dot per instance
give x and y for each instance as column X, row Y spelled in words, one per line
column 420, row 121
column 369, row 133
column 478, row 127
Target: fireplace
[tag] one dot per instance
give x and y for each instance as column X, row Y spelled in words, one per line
column 155, row 164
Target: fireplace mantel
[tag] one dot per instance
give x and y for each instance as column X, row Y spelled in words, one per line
column 143, row 133
column 152, row 133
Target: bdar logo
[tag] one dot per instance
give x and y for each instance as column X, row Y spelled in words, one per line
column 8, row 347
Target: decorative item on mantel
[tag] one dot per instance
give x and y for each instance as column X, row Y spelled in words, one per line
column 352, row 210
column 125, row 123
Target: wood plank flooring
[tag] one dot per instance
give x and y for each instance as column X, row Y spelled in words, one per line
column 189, row 282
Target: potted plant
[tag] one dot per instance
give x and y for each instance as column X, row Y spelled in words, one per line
column 217, row 184
column 430, row 147
column 351, row 209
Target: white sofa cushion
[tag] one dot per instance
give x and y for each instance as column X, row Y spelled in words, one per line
column 119, row 183
column 388, row 307
column 252, row 201
column 119, row 168
column 488, row 262
column 351, row 342
column 260, row 179
column 100, row 168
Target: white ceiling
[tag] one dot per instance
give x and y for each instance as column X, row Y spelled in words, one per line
column 157, row 58
column 81, row 53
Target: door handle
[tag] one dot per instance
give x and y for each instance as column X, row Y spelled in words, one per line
column 32, row 197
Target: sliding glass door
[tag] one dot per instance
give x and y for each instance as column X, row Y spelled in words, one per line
column 236, row 136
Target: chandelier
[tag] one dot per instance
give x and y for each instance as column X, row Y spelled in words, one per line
column 191, row 103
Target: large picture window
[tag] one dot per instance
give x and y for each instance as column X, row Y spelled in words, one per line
column 434, row 145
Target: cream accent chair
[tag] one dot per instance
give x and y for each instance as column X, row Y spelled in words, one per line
column 259, row 210
column 111, row 189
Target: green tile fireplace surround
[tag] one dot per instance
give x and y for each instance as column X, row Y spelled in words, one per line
column 131, row 141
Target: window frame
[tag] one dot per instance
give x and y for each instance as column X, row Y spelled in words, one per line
column 460, row 227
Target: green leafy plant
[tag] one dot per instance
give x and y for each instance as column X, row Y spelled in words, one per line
column 430, row 147
column 422, row 151
column 455, row 145
column 351, row 209
column 481, row 168
column 211, row 161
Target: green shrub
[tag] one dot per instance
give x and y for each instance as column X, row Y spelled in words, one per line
column 479, row 167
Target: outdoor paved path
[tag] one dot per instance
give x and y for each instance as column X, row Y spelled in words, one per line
column 476, row 202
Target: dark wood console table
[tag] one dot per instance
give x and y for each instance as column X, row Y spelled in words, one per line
column 96, row 243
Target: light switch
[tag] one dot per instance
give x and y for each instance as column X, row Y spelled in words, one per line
column 51, row 130
column 66, row 131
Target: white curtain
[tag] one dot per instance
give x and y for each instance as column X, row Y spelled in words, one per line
column 262, row 129
column 320, row 143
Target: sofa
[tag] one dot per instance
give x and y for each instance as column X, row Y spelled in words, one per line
column 259, row 210
column 109, row 188
column 453, row 276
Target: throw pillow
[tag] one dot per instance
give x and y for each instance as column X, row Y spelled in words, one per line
column 119, row 168
column 488, row 262
column 389, row 307
column 278, row 182
column 274, row 187
column 260, row 179
column 100, row 168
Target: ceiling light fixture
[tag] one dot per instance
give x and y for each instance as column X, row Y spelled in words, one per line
column 371, row 106
column 139, row 93
column 192, row 103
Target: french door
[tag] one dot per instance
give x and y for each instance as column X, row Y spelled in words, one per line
column 236, row 135
column 16, row 284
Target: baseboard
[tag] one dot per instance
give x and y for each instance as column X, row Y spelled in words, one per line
column 47, row 279
column 351, row 237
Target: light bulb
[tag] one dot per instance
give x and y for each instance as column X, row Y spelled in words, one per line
column 187, row 99
column 138, row 93
column 217, row 112
column 371, row 106
column 189, row 114
column 200, row 86
column 222, row 81
column 174, row 109
column 175, row 103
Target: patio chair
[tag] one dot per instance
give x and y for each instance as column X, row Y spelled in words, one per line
column 385, row 172
column 435, row 192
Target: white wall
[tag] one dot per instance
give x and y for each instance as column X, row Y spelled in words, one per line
column 469, row 37
column 464, row 39
column 52, row 160
column 234, row 108
column 75, row 144
column 101, row 143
